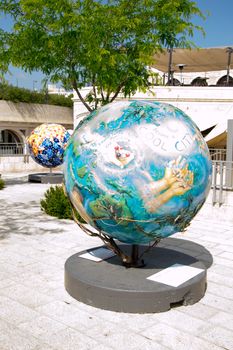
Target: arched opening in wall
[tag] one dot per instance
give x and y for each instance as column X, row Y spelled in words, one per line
column 199, row 81
column 223, row 81
column 173, row 82
column 10, row 143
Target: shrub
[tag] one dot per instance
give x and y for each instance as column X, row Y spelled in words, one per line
column 57, row 204
column 2, row 184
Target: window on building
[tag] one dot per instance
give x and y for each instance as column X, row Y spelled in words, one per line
column 174, row 82
column 10, row 143
column 223, row 81
column 9, row 136
column 199, row 81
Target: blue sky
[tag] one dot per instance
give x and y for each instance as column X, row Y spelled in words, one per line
column 218, row 27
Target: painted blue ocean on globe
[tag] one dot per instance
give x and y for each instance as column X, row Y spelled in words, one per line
column 137, row 170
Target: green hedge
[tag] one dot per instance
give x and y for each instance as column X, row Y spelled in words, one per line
column 57, row 204
column 2, row 184
column 16, row 94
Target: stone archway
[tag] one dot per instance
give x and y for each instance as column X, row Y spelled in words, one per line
column 11, row 142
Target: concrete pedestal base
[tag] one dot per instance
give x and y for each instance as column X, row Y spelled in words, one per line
column 46, row 178
column 109, row 285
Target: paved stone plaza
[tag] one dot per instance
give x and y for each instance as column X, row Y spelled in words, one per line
column 36, row 313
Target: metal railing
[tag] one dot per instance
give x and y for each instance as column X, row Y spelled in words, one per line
column 222, row 176
column 218, row 154
column 222, row 180
column 11, row 149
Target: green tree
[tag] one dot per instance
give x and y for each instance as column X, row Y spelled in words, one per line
column 106, row 44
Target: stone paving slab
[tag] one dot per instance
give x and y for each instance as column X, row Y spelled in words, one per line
column 36, row 313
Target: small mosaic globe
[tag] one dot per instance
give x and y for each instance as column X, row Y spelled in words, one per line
column 47, row 144
column 137, row 170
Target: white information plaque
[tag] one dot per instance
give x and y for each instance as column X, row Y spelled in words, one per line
column 175, row 275
column 98, row 254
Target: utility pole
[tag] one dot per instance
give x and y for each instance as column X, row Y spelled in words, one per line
column 169, row 76
column 229, row 50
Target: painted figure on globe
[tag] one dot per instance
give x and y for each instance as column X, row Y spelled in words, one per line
column 47, row 144
column 122, row 157
column 137, row 170
column 176, row 181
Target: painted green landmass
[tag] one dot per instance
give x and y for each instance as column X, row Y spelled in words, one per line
column 94, row 164
column 82, row 171
column 76, row 145
column 108, row 208
column 119, row 188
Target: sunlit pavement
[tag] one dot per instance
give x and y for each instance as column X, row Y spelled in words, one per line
column 37, row 313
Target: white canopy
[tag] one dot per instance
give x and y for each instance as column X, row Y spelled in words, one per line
column 194, row 60
column 217, row 136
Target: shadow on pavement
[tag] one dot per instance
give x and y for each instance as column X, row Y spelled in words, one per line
column 26, row 219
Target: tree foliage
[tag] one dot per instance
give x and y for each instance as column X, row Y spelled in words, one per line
column 106, row 44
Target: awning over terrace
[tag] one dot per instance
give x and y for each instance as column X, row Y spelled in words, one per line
column 195, row 60
column 217, row 137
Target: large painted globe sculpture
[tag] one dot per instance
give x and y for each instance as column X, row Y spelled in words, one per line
column 137, row 171
column 47, row 144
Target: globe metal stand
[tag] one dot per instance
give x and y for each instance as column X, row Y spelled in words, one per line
column 46, row 178
column 135, row 258
column 128, row 260
column 109, row 285
column 118, row 284
column 144, row 170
